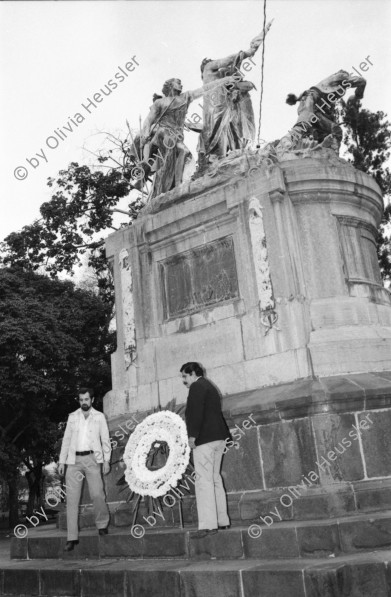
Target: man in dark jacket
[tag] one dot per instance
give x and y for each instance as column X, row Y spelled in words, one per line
column 207, row 432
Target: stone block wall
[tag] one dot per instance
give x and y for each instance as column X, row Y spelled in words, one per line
column 323, row 444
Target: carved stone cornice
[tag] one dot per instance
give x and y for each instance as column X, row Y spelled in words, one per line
column 357, row 223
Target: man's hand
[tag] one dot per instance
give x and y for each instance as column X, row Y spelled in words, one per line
column 192, row 443
column 106, row 468
column 61, row 469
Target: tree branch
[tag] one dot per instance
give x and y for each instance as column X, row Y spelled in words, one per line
column 120, row 211
column 20, row 433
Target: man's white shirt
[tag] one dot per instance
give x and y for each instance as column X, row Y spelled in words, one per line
column 83, row 440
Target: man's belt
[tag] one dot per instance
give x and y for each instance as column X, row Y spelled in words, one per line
column 86, row 453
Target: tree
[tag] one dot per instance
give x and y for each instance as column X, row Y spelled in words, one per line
column 367, row 137
column 79, row 216
column 53, row 337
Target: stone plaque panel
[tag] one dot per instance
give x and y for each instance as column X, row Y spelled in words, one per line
column 199, row 278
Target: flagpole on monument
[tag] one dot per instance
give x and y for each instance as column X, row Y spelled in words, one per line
column 262, row 70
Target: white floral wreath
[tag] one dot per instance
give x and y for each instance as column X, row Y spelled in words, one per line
column 162, row 426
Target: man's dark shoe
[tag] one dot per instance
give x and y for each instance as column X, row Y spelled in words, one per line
column 205, row 533
column 70, row 545
column 103, row 531
column 228, row 526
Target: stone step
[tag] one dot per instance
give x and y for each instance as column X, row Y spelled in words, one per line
column 341, row 499
column 358, row 575
column 290, row 539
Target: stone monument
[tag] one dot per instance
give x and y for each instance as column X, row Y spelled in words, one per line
column 265, row 272
column 264, row 269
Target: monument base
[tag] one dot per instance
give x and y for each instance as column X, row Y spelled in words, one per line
column 271, row 281
column 307, row 450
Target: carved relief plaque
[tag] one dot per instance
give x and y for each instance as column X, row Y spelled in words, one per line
column 199, row 278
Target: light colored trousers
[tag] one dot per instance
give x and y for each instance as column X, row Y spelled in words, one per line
column 209, row 488
column 85, row 467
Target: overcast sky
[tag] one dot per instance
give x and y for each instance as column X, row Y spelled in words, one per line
column 55, row 55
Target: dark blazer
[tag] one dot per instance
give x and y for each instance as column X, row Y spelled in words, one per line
column 204, row 418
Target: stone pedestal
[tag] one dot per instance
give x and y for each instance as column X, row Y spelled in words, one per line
column 264, row 273
column 267, row 274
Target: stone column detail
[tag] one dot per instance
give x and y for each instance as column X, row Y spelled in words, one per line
column 129, row 328
column 261, row 262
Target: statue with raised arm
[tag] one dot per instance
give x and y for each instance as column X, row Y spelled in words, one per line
column 161, row 147
column 317, row 116
column 228, row 117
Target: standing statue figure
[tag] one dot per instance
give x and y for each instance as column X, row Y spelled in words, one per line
column 228, row 117
column 317, row 111
column 161, row 144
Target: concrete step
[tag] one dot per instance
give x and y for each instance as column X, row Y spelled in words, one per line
column 286, row 539
column 358, row 575
column 340, row 499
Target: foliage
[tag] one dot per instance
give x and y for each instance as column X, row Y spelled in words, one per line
column 53, row 337
column 81, row 208
column 367, row 137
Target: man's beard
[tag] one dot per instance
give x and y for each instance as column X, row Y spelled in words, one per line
column 85, row 407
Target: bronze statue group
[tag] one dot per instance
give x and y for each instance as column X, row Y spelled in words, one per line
column 160, row 154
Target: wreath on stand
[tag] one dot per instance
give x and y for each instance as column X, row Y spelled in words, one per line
column 163, row 431
column 156, row 457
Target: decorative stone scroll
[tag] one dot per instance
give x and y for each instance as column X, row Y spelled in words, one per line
column 199, row 278
column 127, row 308
column 261, row 262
